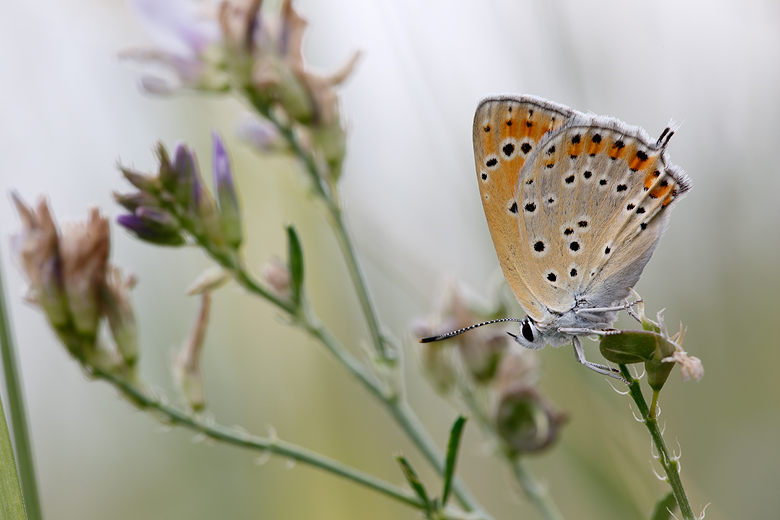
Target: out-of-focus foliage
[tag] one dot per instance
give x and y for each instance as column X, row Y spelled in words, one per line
column 69, row 111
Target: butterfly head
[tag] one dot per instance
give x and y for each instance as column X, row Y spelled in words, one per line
column 530, row 336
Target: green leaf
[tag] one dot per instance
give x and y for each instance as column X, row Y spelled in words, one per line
column 635, row 346
column 629, row 346
column 640, row 346
column 414, row 482
column 452, row 455
column 11, row 502
column 664, row 508
column 295, row 264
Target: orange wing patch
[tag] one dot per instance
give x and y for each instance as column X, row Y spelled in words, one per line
column 506, row 132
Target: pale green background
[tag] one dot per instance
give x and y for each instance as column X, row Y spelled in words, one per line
column 69, row 111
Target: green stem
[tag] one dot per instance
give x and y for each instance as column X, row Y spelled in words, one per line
column 21, row 434
column 407, row 419
column 11, row 501
column 535, row 491
column 670, row 464
column 221, row 433
column 399, row 409
column 402, row 413
column 332, row 205
column 359, row 282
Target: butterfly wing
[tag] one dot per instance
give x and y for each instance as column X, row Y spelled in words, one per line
column 507, row 131
column 594, row 200
column 646, row 188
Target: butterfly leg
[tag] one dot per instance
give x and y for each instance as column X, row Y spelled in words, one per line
column 579, row 353
column 627, row 306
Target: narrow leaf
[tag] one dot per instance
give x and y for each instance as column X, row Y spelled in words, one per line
column 452, row 456
column 414, row 481
column 11, row 503
column 664, row 507
column 295, row 263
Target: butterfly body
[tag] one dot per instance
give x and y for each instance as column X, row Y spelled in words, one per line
column 575, row 204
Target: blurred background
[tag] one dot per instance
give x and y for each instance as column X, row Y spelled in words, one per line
column 69, row 111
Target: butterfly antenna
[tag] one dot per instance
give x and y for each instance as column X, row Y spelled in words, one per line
column 461, row 331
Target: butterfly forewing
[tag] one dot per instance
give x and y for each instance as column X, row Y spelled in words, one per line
column 507, row 130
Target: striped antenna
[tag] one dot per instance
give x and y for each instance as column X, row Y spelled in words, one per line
column 461, row 331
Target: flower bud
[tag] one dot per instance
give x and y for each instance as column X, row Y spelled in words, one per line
column 204, row 215
column 186, row 362
column 133, row 201
column 144, row 182
column 634, row 346
column 158, row 219
column 277, row 277
column 144, row 230
column 209, row 280
column 167, row 173
column 525, row 422
column 229, row 208
column 118, row 309
column 331, row 140
column 185, row 166
column 260, row 134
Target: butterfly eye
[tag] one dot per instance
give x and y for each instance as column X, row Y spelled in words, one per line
column 528, row 333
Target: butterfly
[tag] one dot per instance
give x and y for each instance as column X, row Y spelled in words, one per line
column 576, row 204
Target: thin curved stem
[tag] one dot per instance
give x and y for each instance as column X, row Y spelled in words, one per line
column 411, row 424
column 359, row 282
column 533, row 489
column 337, row 222
column 174, row 416
column 670, row 464
column 399, row 409
column 21, row 433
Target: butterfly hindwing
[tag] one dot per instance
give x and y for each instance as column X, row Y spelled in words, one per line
column 507, row 130
column 595, row 198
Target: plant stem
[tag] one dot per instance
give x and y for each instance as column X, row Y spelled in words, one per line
column 535, row 491
column 359, row 282
column 670, row 464
column 337, row 221
column 11, row 501
column 399, row 409
column 21, row 434
column 221, row 433
column 408, row 420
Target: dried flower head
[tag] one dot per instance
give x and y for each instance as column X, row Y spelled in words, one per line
column 72, row 281
column 84, row 248
column 37, row 248
column 186, row 362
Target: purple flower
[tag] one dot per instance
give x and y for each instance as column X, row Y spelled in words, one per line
column 149, row 231
column 185, row 166
column 185, row 34
column 260, row 134
column 229, row 208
